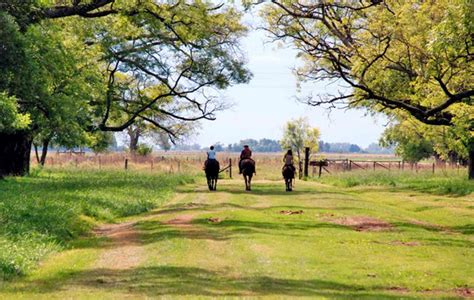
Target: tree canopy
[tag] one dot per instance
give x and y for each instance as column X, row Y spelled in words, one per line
column 297, row 135
column 73, row 69
column 408, row 59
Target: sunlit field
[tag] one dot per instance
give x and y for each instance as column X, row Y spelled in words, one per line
column 360, row 234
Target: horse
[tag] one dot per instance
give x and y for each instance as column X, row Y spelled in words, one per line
column 288, row 173
column 212, row 173
column 248, row 169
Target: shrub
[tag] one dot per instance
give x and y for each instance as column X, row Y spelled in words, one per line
column 144, row 150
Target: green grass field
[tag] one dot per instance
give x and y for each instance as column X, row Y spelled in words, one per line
column 48, row 210
column 371, row 238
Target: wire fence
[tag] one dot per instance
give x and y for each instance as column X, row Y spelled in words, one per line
column 268, row 164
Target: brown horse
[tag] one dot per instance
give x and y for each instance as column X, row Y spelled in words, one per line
column 212, row 173
column 288, row 173
column 248, row 169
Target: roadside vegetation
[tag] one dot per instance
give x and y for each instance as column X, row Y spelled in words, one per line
column 47, row 211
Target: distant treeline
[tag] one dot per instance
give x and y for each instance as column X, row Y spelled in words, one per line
column 373, row 148
column 269, row 145
column 263, row 145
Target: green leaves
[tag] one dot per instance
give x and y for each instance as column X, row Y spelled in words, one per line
column 411, row 55
column 141, row 61
column 10, row 119
column 299, row 134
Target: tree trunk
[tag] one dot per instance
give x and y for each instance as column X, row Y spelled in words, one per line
column 36, row 153
column 134, row 144
column 44, row 151
column 15, row 149
column 134, row 135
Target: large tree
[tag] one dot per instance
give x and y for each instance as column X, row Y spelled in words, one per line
column 409, row 59
column 108, row 65
column 297, row 135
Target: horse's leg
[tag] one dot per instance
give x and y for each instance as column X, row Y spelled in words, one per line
column 250, row 182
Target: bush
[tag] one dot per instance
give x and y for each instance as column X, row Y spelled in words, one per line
column 144, row 150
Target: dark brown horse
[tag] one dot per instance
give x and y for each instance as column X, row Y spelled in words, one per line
column 212, row 173
column 248, row 169
column 288, row 173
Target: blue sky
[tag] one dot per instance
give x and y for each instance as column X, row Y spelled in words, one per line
column 262, row 107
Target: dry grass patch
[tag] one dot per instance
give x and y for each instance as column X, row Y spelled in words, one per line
column 362, row 223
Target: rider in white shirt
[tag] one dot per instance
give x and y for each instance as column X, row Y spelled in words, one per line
column 211, row 154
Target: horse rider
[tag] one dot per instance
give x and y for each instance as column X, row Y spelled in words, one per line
column 245, row 154
column 288, row 160
column 211, row 155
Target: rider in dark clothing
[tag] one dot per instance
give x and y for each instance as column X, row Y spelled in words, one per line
column 288, row 160
column 245, row 154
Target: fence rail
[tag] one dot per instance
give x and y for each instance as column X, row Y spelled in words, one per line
column 345, row 165
column 163, row 163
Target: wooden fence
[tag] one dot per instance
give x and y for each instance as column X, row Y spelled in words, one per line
column 162, row 163
column 345, row 165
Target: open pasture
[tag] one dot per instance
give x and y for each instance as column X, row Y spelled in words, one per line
column 268, row 164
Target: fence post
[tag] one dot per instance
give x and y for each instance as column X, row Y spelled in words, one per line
column 151, row 163
column 230, row 168
column 306, row 161
column 374, row 165
column 126, row 164
column 320, row 170
column 100, row 163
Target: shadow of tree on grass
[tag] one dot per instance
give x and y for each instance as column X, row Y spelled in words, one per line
column 190, row 281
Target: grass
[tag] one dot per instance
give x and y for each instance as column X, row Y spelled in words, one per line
column 254, row 250
column 449, row 183
column 45, row 212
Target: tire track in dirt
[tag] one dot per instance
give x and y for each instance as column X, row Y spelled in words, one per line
column 125, row 250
